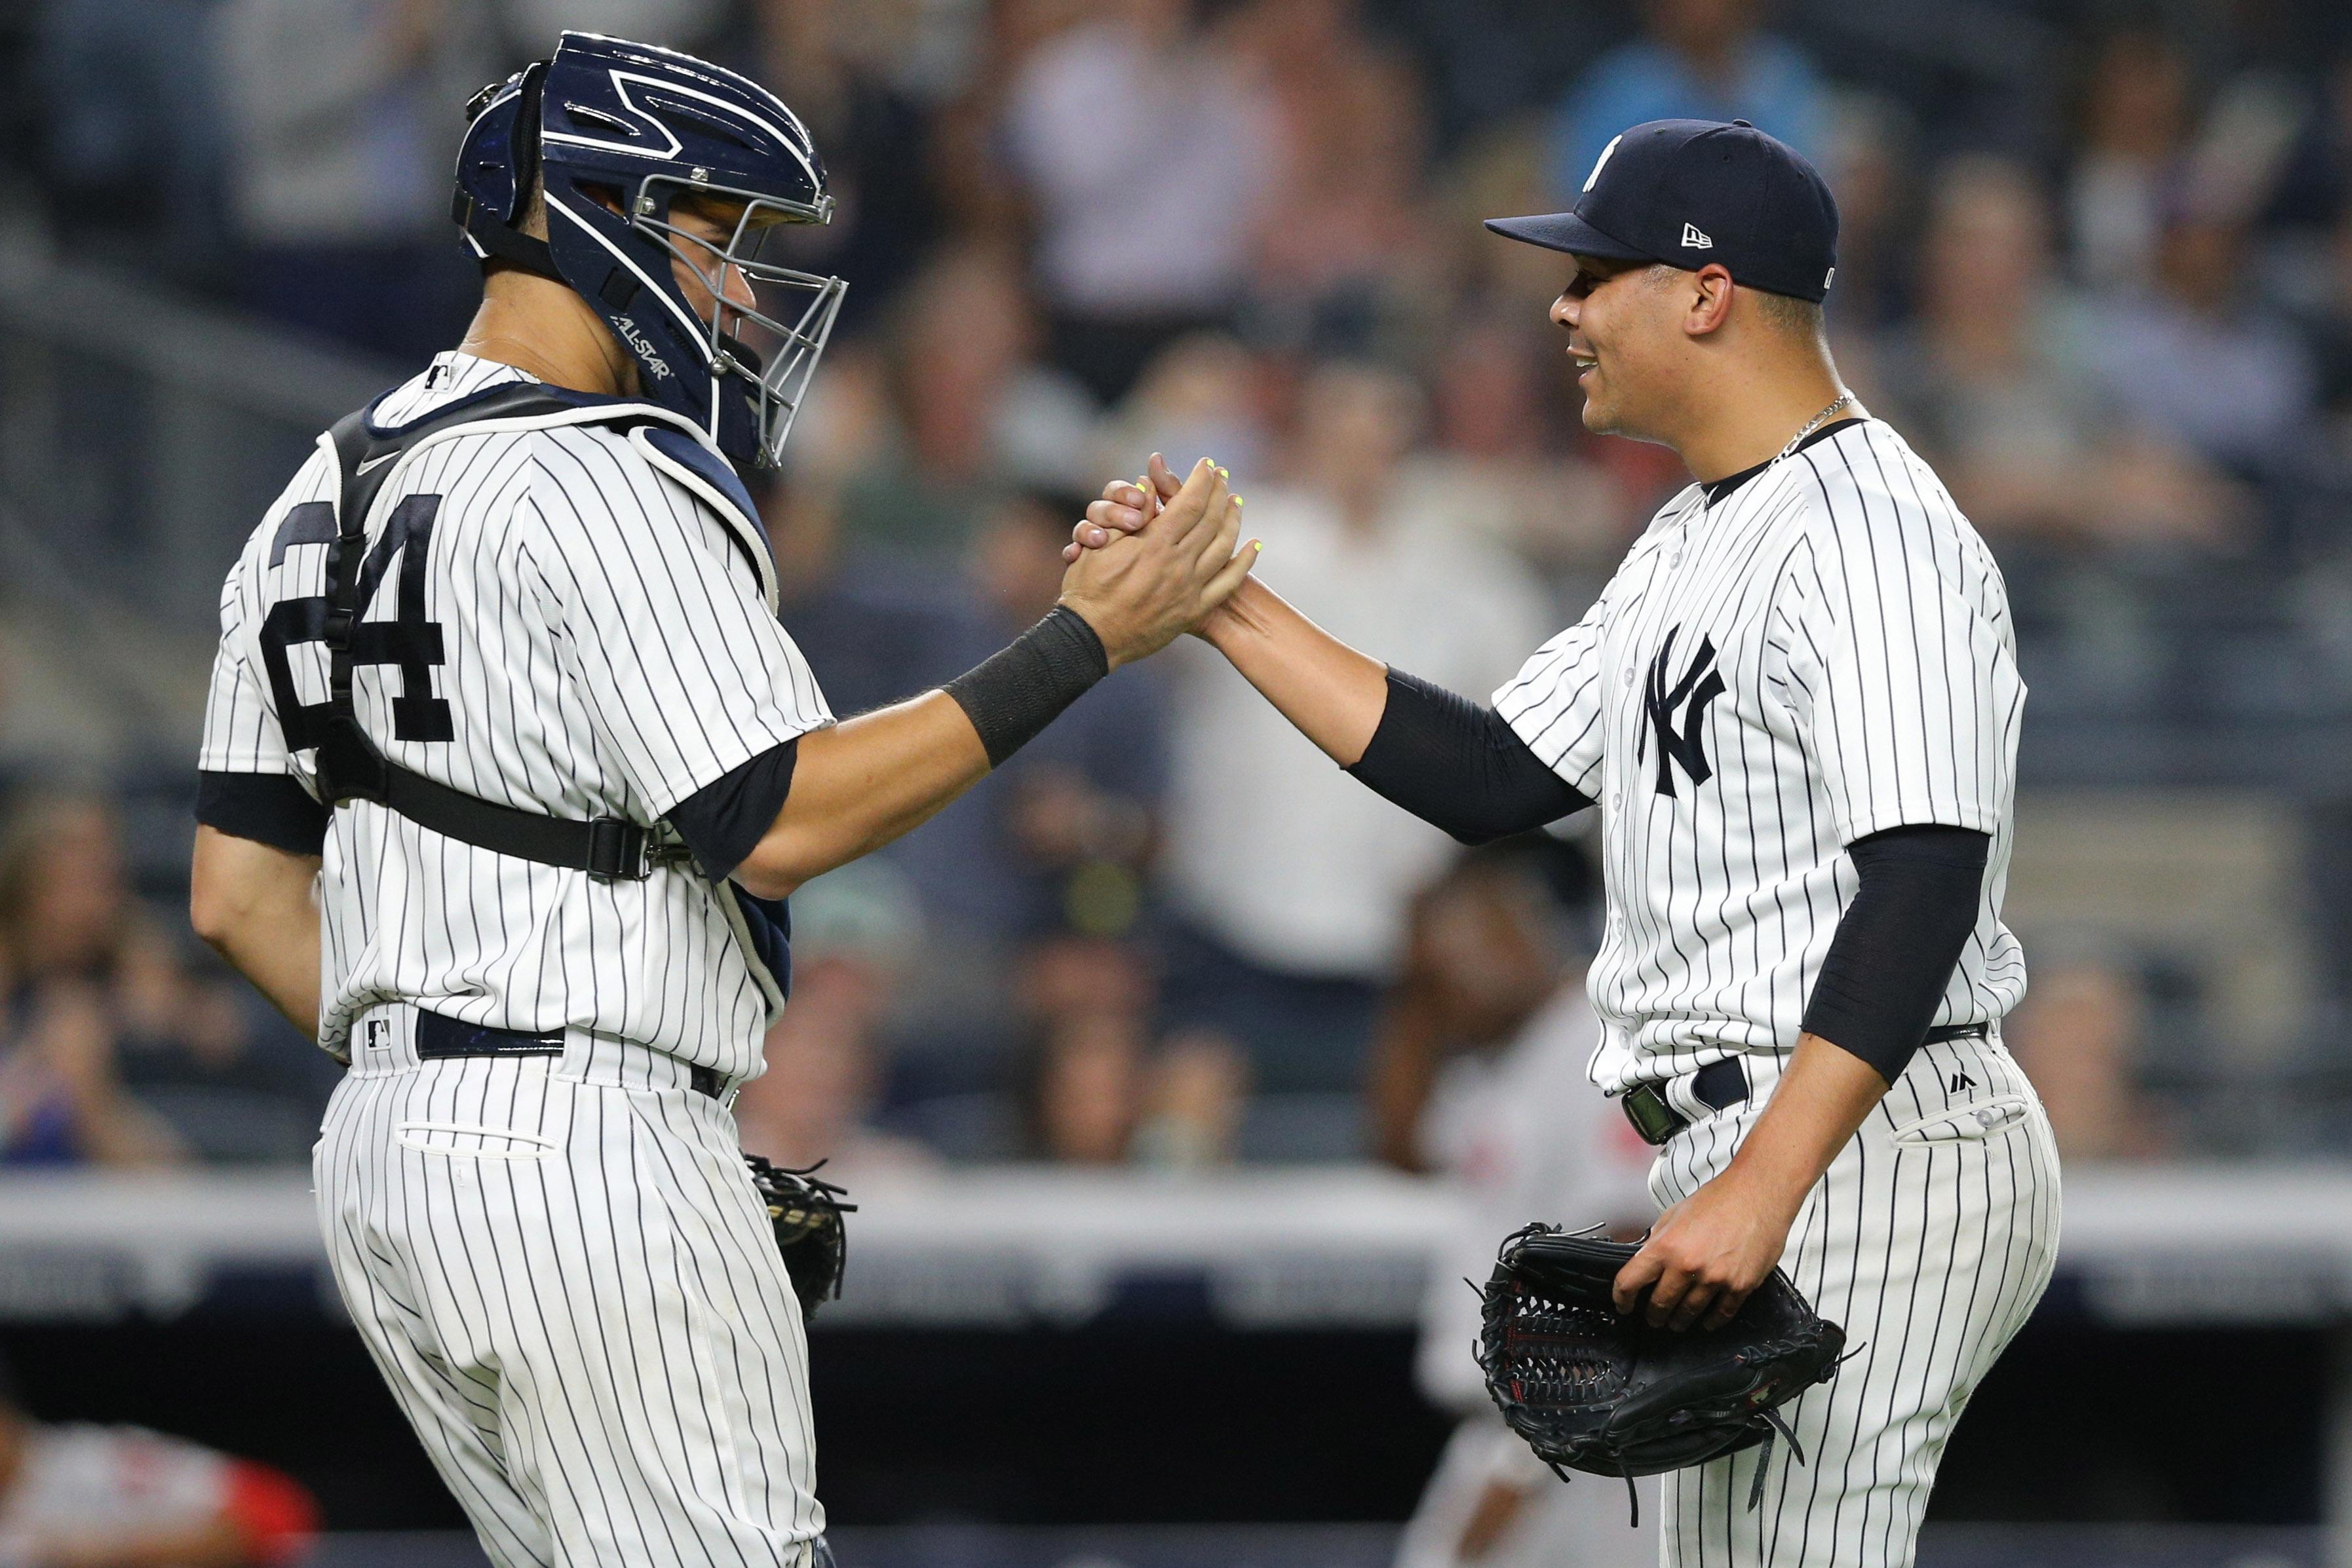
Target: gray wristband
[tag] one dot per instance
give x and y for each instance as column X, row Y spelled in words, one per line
column 1016, row 692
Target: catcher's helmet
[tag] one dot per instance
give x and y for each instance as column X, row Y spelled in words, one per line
column 644, row 127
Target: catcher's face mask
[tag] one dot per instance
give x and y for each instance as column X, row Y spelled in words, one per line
column 765, row 323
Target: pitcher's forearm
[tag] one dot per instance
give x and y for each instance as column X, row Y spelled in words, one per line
column 1820, row 1100
column 1332, row 692
column 862, row 783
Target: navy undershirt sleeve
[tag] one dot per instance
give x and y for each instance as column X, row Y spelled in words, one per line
column 1896, row 945
column 723, row 821
column 266, row 807
column 1460, row 766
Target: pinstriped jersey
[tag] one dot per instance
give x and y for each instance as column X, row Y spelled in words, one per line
column 591, row 634
column 1823, row 653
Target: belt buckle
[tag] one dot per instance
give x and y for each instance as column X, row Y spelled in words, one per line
column 1645, row 1107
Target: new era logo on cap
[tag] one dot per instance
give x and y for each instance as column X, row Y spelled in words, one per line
column 1694, row 239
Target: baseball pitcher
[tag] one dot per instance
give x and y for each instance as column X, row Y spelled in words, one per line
column 1796, row 707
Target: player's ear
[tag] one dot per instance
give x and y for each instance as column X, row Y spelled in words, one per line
column 1710, row 300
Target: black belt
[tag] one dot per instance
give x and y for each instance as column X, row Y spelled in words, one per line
column 439, row 1038
column 1720, row 1085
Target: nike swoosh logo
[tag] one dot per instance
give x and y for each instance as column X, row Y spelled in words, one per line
column 375, row 461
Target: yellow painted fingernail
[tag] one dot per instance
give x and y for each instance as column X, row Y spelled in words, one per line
column 1258, row 545
column 1237, row 501
column 1223, row 474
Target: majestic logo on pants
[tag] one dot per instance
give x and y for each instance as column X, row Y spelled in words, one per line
column 1700, row 685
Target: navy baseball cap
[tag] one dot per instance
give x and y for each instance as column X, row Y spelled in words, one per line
column 1691, row 192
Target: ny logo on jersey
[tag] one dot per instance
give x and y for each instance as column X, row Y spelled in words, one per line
column 1700, row 685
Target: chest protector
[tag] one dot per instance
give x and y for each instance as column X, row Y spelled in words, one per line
column 351, row 766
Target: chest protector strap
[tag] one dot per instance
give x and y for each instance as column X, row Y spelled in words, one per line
column 351, row 766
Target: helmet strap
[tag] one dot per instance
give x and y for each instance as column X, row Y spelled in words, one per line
column 501, row 243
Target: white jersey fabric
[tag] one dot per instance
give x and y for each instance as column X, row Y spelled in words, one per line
column 607, row 651
column 1824, row 653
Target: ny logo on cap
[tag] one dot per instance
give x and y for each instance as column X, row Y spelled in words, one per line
column 1601, row 162
column 1695, row 238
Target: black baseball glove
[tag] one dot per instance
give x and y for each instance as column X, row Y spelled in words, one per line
column 810, row 1231
column 1611, row 1395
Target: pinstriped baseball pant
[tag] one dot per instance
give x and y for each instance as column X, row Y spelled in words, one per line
column 562, row 1272
column 1929, row 1239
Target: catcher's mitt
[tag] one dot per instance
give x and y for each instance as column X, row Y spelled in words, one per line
column 1612, row 1395
column 810, row 1231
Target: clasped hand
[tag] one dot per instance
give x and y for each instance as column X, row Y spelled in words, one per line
column 1141, row 589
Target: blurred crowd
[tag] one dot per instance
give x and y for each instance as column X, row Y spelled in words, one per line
column 2102, row 281
column 119, row 1045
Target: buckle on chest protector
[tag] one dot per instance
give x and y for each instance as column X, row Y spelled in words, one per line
column 618, row 850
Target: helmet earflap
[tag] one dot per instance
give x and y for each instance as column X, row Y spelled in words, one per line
column 498, row 166
column 499, row 160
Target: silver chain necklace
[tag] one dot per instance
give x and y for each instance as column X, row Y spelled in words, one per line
column 1814, row 424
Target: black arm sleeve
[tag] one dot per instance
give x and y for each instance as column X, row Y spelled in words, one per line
column 268, row 808
column 1895, row 947
column 723, row 821
column 1459, row 765
column 1017, row 691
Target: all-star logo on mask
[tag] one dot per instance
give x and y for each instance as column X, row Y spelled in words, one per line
column 632, row 335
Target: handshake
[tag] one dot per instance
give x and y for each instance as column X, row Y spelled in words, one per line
column 1156, row 557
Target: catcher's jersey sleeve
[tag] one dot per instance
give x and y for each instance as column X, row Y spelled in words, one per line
column 241, row 732
column 250, row 785
column 1900, row 662
column 682, row 670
